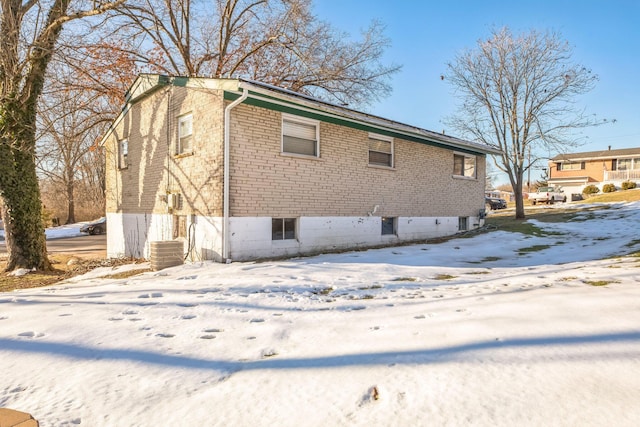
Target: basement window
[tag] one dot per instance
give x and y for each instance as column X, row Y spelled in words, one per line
column 463, row 223
column 283, row 228
column 389, row 225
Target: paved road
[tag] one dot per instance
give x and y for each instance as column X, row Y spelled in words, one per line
column 83, row 245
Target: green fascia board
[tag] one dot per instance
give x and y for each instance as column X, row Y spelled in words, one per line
column 276, row 104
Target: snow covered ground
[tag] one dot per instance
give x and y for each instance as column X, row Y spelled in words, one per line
column 474, row 331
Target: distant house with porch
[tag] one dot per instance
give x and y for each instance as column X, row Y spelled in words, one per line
column 574, row 171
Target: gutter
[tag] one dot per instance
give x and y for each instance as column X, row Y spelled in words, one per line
column 225, row 202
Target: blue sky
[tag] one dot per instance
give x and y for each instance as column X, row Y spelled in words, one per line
column 425, row 35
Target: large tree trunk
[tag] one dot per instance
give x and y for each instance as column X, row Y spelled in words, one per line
column 71, row 205
column 22, row 209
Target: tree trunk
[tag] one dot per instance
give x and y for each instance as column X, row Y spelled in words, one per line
column 22, row 208
column 517, row 191
column 71, row 208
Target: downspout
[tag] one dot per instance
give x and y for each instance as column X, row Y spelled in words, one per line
column 225, row 201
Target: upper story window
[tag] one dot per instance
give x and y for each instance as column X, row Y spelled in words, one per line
column 300, row 136
column 123, row 152
column 185, row 134
column 571, row 166
column 628, row 164
column 464, row 165
column 380, row 150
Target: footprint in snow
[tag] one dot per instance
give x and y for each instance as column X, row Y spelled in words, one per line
column 188, row 277
column 188, row 316
column 3, row 317
column 60, row 315
column 212, row 330
column 207, row 337
column 126, row 312
column 31, row 334
column 165, row 335
column 256, row 321
column 114, row 319
column 151, row 295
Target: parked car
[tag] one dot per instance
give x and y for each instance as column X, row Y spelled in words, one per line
column 95, row 227
column 495, row 203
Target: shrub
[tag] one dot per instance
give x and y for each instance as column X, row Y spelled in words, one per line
column 608, row 188
column 628, row 185
column 590, row 189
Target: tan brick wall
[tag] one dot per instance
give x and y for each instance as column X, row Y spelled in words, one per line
column 151, row 127
column 340, row 183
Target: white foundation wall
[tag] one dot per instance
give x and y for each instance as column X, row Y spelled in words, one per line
column 251, row 236
column 130, row 235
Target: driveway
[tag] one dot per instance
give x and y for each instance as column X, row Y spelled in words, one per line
column 91, row 246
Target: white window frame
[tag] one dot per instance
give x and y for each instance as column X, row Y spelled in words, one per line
column 384, row 138
column 284, row 233
column 123, row 153
column 464, row 165
column 185, row 118
column 571, row 166
column 303, row 121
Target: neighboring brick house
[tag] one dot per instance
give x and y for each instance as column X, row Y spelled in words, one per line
column 574, row 171
column 303, row 176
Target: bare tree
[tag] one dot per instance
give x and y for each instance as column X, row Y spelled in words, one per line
column 70, row 124
column 29, row 32
column 518, row 95
column 275, row 41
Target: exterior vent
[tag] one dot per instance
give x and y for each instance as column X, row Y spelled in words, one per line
column 166, row 253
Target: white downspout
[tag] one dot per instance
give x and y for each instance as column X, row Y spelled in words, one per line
column 225, row 201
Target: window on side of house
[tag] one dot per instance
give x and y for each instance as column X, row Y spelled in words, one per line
column 283, row 228
column 123, row 152
column 463, row 223
column 380, row 150
column 389, row 225
column 185, row 134
column 300, row 136
column 572, row 166
column 464, row 165
column 628, row 164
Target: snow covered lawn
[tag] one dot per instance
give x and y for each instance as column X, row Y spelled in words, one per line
column 473, row 331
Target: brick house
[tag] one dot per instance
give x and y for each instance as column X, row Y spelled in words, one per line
column 574, row 171
column 241, row 170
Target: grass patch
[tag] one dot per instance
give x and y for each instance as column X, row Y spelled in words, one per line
column 323, row 291
column 567, row 279
column 617, row 196
column 64, row 266
column 405, row 279
column 364, row 288
column 479, row 272
column 535, row 248
column 485, row 259
column 599, row 282
column 444, row 277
